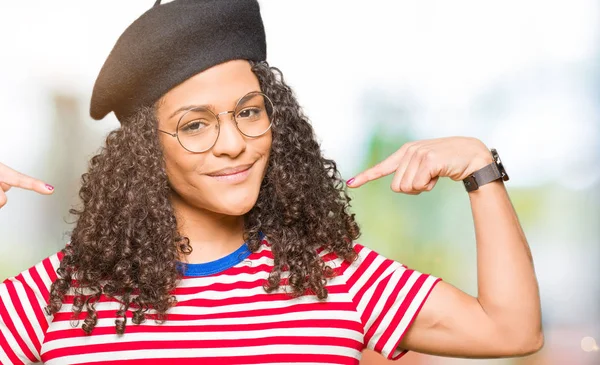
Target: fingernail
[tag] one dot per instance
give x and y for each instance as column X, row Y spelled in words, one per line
column 49, row 187
column 349, row 182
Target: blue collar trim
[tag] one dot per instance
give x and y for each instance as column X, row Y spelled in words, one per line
column 216, row 266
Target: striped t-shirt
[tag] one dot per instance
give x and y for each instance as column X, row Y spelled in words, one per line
column 224, row 316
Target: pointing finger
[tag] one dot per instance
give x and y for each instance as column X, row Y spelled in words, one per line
column 14, row 178
column 383, row 168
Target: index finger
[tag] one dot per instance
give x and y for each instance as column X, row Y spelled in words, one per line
column 19, row 180
column 383, row 168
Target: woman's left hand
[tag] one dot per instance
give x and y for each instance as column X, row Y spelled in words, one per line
column 418, row 165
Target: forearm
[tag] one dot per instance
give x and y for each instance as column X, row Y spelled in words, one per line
column 507, row 286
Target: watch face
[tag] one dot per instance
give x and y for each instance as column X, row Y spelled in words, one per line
column 499, row 164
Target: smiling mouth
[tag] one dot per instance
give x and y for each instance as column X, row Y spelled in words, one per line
column 233, row 178
column 234, row 171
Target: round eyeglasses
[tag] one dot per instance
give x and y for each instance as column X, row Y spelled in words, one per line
column 198, row 128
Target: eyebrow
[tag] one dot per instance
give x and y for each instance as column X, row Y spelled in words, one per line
column 206, row 106
column 188, row 107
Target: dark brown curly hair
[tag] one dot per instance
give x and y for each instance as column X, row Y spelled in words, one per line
column 125, row 243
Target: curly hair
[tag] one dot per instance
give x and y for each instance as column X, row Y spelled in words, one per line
column 125, row 244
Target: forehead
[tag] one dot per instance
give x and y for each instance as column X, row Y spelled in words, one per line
column 221, row 86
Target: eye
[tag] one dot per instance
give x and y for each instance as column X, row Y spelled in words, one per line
column 194, row 126
column 250, row 113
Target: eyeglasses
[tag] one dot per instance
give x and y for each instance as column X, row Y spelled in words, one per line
column 198, row 128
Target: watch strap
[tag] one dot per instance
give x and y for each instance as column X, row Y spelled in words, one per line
column 482, row 176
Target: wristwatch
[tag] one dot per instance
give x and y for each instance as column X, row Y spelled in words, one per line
column 487, row 174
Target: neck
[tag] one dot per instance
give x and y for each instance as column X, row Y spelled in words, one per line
column 212, row 235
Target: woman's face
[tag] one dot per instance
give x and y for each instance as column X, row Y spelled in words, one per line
column 190, row 173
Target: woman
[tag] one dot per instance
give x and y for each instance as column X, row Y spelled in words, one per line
column 212, row 228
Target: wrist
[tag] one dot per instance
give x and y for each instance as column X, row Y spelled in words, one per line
column 480, row 161
column 485, row 169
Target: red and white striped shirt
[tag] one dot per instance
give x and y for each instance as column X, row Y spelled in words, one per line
column 224, row 316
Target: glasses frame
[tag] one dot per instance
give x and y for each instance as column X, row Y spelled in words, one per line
column 176, row 134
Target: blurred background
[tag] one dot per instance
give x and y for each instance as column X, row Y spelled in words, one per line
column 524, row 77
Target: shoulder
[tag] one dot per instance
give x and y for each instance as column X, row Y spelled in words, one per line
column 37, row 279
column 365, row 257
column 23, row 321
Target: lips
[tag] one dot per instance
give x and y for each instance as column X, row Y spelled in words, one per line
column 231, row 170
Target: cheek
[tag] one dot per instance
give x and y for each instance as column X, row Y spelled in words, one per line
column 269, row 142
column 266, row 144
column 263, row 148
column 180, row 166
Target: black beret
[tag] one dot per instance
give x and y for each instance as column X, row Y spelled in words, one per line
column 170, row 43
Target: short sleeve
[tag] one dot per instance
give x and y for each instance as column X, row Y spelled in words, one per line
column 388, row 296
column 23, row 321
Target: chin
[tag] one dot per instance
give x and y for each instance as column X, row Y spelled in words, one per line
column 235, row 202
column 236, row 207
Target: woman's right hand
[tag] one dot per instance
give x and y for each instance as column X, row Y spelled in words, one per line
column 10, row 178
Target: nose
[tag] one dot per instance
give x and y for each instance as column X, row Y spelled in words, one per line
column 231, row 141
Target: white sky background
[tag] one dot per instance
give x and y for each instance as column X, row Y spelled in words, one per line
column 441, row 56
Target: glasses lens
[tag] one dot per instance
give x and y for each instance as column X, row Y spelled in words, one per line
column 252, row 114
column 198, row 130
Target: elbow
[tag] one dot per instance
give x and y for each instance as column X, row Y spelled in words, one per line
column 524, row 337
column 529, row 345
column 538, row 343
column 522, row 340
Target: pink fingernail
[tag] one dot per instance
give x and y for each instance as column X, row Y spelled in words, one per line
column 349, row 182
column 49, row 187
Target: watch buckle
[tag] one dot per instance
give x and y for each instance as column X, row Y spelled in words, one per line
column 470, row 183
